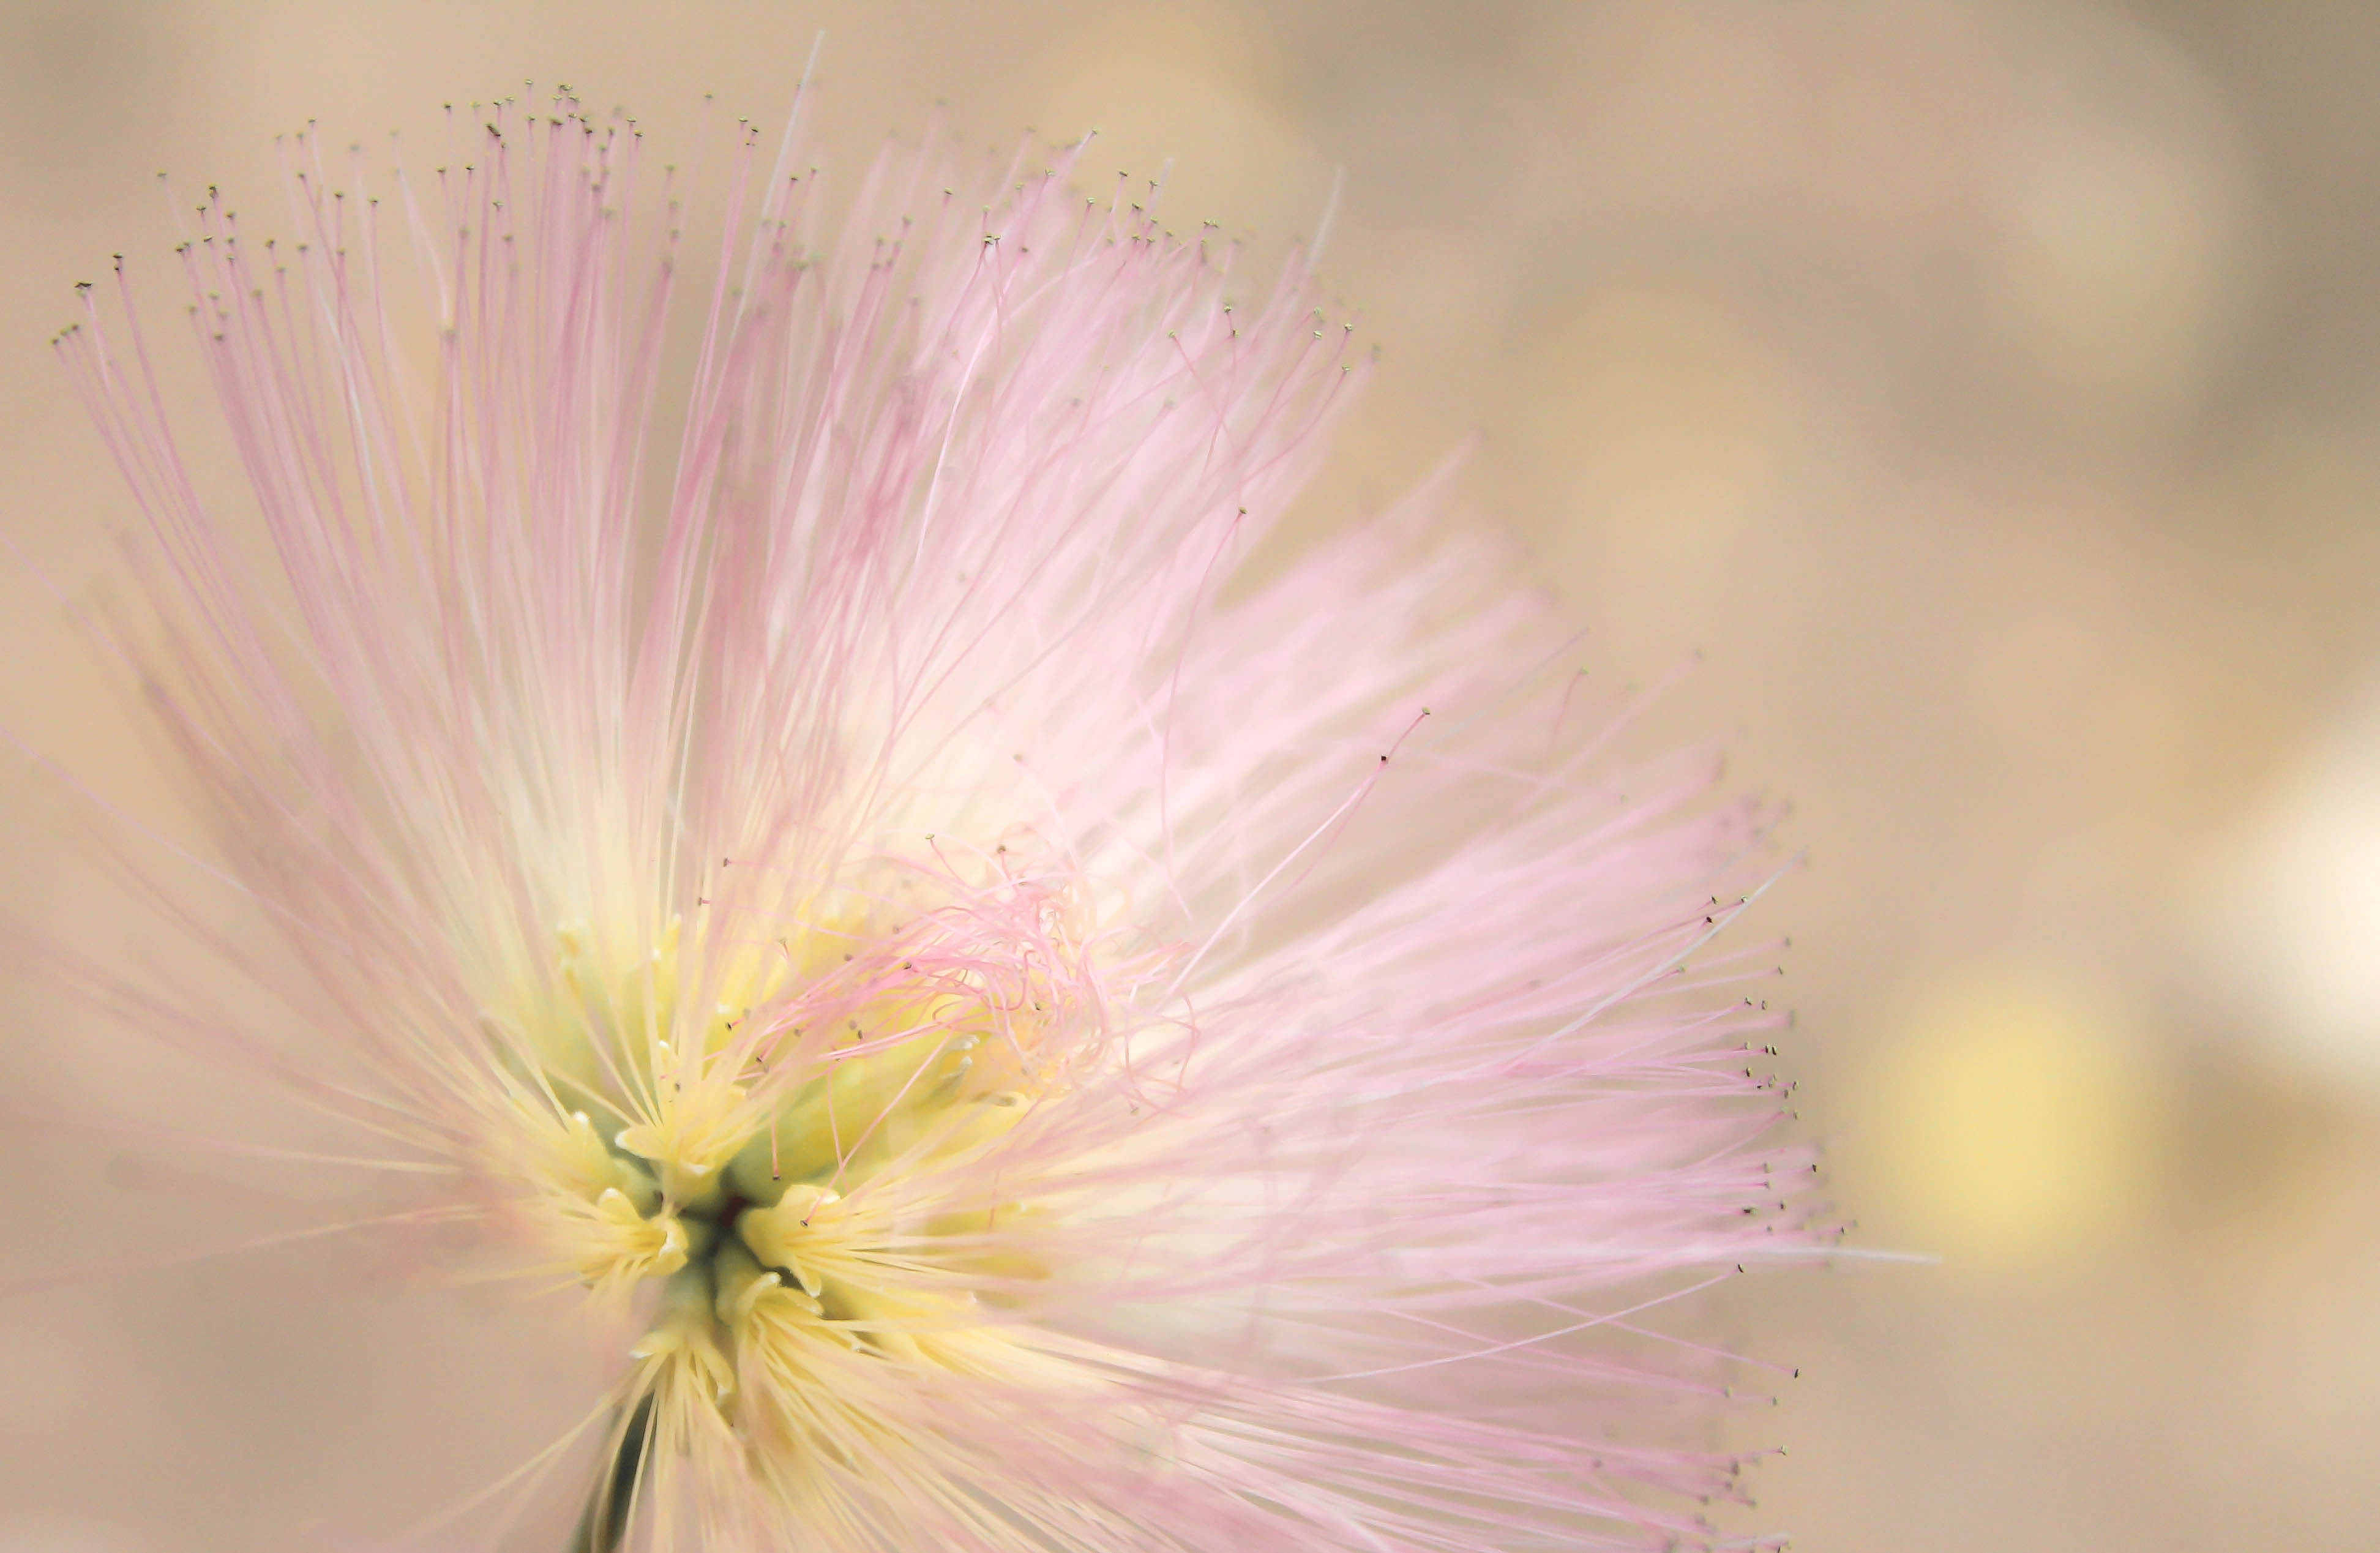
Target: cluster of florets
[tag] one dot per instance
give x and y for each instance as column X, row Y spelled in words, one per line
column 1047, row 1037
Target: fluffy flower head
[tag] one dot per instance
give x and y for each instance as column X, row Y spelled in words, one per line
column 1034, row 1035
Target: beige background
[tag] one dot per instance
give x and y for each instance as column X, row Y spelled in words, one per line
column 1989, row 391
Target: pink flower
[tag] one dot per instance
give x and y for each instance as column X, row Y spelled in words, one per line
column 1040, row 1033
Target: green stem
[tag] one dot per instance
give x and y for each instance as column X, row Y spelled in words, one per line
column 614, row 1500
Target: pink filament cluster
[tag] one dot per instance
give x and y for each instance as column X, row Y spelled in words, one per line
column 1399, row 1081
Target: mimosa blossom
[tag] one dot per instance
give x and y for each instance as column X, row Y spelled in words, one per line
column 1035, row 1033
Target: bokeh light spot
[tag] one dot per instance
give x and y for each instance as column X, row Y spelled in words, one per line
column 2009, row 1123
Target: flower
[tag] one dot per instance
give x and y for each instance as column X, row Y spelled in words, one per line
column 1036, row 1031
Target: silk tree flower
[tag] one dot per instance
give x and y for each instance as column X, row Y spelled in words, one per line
column 1028, row 1031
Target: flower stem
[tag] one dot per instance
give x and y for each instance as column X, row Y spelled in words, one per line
column 605, row 1522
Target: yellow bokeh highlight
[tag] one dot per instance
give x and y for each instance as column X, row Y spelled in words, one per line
column 2007, row 1123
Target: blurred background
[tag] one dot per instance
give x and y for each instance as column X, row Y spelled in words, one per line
column 1989, row 393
